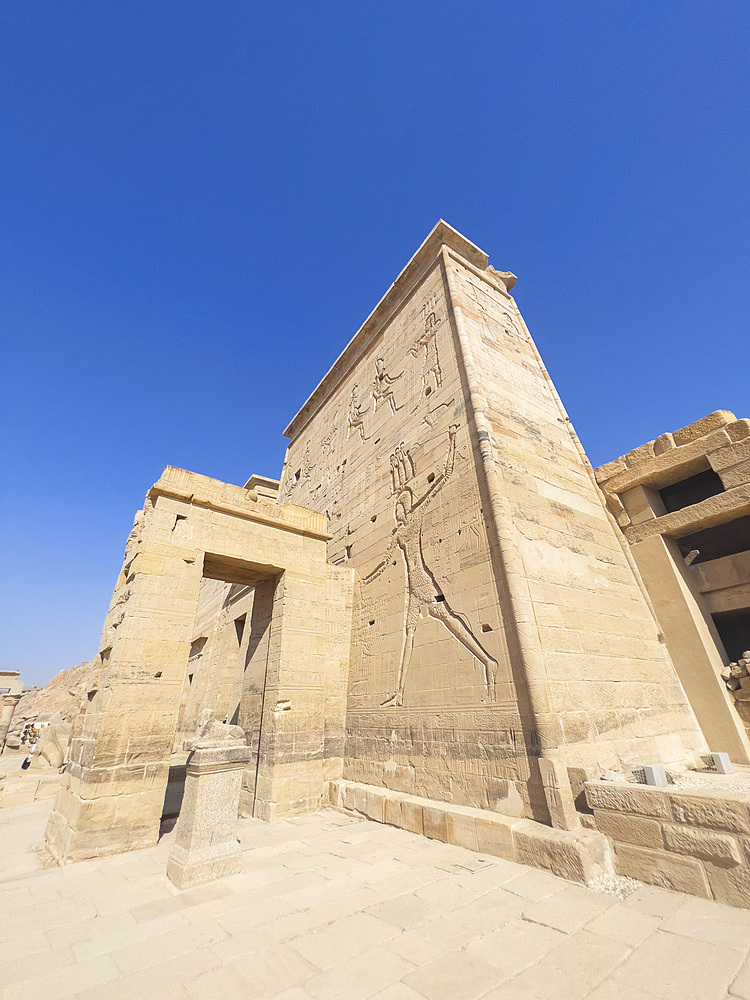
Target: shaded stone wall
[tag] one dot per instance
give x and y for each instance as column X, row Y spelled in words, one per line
column 694, row 557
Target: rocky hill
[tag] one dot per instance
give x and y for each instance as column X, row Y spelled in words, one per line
column 63, row 695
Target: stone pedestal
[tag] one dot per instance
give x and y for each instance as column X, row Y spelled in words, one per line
column 206, row 845
column 6, row 716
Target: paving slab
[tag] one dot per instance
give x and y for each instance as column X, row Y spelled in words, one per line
column 334, row 907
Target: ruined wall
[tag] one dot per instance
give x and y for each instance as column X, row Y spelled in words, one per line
column 496, row 615
column 683, row 504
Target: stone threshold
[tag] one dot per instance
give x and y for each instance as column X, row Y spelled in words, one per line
column 578, row 855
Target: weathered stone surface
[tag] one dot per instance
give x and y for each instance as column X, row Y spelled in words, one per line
column 626, row 798
column 206, row 845
column 711, row 810
column 435, row 824
column 730, row 885
column 719, row 848
column 580, row 856
column 630, row 829
column 662, row 868
column 495, row 836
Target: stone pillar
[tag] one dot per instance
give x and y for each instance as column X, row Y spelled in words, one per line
column 6, row 716
column 206, row 845
column 693, row 644
column 120, row 755
column 290, row 777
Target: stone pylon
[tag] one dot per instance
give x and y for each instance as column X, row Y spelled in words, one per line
column 502, row 638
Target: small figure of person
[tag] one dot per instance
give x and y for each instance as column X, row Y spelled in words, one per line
column 382, row 386
column 354, row 418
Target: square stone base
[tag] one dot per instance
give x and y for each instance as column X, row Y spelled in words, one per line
column 186, row 869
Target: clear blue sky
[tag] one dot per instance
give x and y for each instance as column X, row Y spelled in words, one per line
column 202, row 202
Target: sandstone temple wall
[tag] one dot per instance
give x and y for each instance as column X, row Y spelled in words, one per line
column 497, row 617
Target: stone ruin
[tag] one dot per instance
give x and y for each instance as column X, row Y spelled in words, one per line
column 435, row 619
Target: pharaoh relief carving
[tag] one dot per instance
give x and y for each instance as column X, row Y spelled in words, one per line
column 432, row 373
column 424, row 596
column 382, row 387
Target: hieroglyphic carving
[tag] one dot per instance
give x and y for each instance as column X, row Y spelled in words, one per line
column 489, row 323
column 427, row 342
column 355, row 417
column 424, row 597
column 382, row 386
column 430, row 418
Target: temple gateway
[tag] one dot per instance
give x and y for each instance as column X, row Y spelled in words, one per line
column 441, row 617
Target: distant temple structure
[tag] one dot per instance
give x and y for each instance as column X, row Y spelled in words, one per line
column 440, row 617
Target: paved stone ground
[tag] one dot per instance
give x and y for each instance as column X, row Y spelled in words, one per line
column 329, row 907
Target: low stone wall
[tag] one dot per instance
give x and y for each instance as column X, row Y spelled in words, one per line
column 580, row 855
column 691, row 840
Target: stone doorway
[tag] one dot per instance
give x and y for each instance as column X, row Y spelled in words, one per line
column 193, row 528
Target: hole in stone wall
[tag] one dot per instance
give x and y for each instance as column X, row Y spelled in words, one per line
column 486, row 628
column 428, row 390
column 719, row 541
column 377, row 440
column 158, row 673
column 297, row 475
column 374, row 518
column 440, row 597
column 734, row 631
column 692, row 490
column 431, row 478
column 239, row 627
column 372, row 622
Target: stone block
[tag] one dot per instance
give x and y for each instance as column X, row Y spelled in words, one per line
column 735, row 475
column 578, row 855
column 435, row 824
column 719, row 812
column 720, row 849
column 636, row 830
column 335, row 793
column 348, row 798
column 699, row 428
column 495, row 836
column 663, row 869
column 655, row 775
column 392, row 810
column 360, row 800
column 627, row 799
column 375, row 805
column 411, row 816
column 462, row 830
column 730, row 885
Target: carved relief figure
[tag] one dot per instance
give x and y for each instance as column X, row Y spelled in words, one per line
column 382, row 386
column 432, row 373
column 307, row 466
column 424, row 597
column 402, row 467
column 354, row 418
